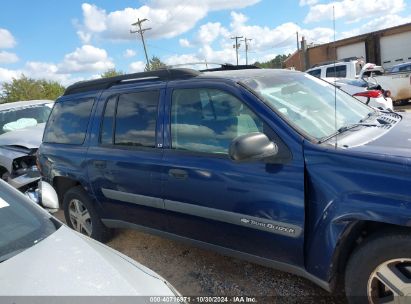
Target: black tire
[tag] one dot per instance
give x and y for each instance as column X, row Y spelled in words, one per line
column 99, row 232
column 370, row 255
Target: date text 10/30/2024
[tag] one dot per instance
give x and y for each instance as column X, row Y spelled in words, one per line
column 202, row 299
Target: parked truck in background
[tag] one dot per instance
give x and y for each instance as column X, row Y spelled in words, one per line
column 399, row 84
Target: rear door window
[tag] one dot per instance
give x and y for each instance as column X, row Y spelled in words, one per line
column 68, row 122
column 136, row 116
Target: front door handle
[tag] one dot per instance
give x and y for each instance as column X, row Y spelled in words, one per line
column 100, row 164
column 178, row 173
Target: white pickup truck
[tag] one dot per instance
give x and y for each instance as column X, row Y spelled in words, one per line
column 399, row 84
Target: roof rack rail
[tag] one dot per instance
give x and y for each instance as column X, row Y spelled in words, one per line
column 223, row 66
column 231, row 67
column 105, row 83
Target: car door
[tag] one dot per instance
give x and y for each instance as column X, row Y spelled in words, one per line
column 123, row 161
column 250, row 207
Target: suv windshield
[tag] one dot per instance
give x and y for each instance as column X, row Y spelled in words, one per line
column 22, row 224
column 23, row 117
column 307, row 103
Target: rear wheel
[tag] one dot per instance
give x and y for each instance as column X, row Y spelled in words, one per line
column 380, row 271
column 82, row 216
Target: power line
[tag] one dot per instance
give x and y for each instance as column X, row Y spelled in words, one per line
column 236, row 45
column 141, row 32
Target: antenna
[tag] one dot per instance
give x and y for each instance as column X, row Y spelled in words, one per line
column 335, row 87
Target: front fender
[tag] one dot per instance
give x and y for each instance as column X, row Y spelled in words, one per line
column 346, row 189
column 337, row 226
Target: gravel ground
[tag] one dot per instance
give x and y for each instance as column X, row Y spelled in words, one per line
column 197, row 272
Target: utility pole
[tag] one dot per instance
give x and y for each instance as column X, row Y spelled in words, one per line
column 141, row 32
column 246, row 49
column 236, row 45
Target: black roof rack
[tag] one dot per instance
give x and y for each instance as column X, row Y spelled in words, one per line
column 105, row 83
column 223, row 66
column 231, row 67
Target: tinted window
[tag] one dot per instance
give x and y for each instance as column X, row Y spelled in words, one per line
column 136, row 119
column 338, row 71
column 315, row 73
column 108, row 121
column 68, row 122
column 207, row 120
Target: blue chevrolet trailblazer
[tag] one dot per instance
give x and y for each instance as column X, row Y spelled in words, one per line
column 273, row 166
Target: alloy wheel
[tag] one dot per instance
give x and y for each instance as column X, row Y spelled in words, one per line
column 390, row 282
column 80, row 217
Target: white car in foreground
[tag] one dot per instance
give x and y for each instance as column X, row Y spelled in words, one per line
column 367, row 92
column 39, row 256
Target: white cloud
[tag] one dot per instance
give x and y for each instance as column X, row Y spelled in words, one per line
column 94, row 17
column 166, row 18
column 83, row 60
column 7, row 57
column 282, row 36
column 211, row 31
column 353, row 10
column 129, row 53
column 137, row 66
column 266, row 44
column 48, row 71
column 182, row 59
column 38, row 70
column 308, row 2
column 184, row 42
column 377, row 24
column 7, row 75
column 86, row 59
column 7, row 40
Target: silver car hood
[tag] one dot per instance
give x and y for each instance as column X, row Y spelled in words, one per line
column 69, row 264
column 30, row 137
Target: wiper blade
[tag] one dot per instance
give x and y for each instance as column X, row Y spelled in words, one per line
column 351, row 126
column 346, row 128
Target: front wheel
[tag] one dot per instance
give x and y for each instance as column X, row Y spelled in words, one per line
column 379, row 271
column 81, row 215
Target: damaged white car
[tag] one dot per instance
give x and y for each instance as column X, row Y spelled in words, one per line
column 21, row 131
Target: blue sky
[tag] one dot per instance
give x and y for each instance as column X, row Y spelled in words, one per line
column 74, row 40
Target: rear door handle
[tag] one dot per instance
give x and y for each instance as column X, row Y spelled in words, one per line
column 100, row 164
column 178, row 173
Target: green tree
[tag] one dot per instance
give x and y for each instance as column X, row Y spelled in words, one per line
column 111, row 73
column 25, row 88
column 275, row 63
column 154, row 64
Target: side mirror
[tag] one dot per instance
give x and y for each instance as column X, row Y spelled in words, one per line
column 252, row 146
column 49, row 198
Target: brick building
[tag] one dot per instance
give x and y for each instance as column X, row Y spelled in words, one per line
column 384, row 47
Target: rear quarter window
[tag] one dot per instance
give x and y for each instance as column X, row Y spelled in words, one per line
column 315, row 73
column 337, row 71
column 68, row 122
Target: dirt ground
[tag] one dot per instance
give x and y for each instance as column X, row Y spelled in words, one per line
column 196, row 272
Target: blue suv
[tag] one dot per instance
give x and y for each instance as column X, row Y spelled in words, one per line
column 272, row 166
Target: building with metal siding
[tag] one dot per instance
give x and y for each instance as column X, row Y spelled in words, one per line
column 385, row 47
